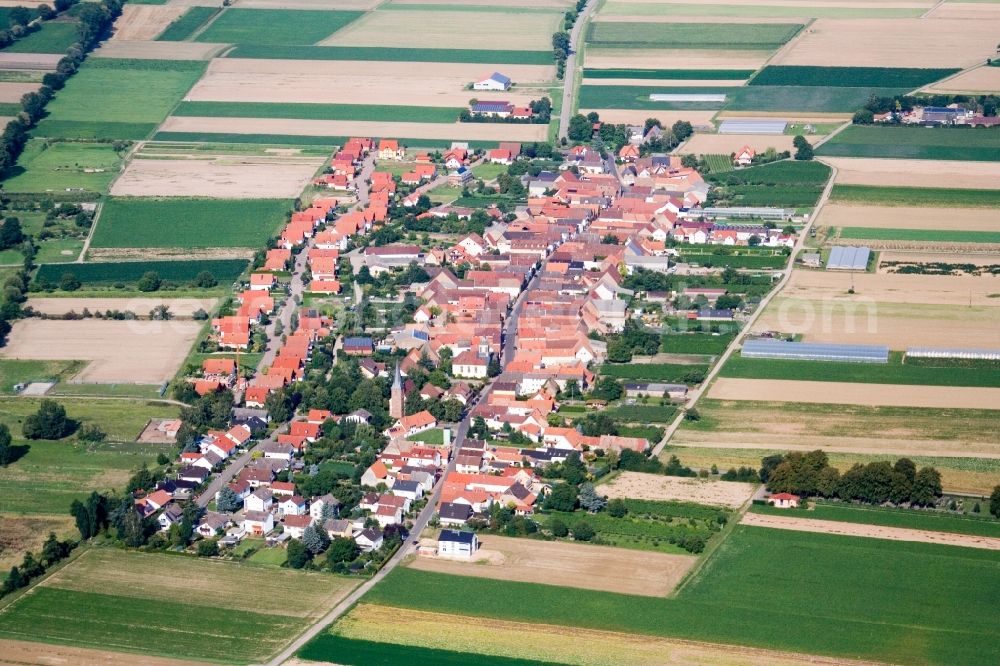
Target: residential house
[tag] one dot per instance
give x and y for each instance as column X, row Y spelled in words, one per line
column 257, row 523
column 457, row 544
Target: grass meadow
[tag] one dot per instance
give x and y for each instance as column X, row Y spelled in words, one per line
column 940, row 197
column 966, row 144
column 22, row 371
column 915, row 519
column 918, row 235
column 53, row 37
column 187, row 24
column 756, row 36
column 695, row 343
column 95, row 600
column 45, row 166
column 642, row 413
column 188, row 223
column 658, row 372
column 276, row 26
column 818, row 99
column 373, row 112
column 753, row 583
column 637, row 97
column 118, row 98
column 849, row 77
column 107, row 273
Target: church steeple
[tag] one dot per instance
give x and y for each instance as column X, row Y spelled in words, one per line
column 396, row 396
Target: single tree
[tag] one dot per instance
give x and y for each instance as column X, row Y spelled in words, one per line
column 69, row 282
column 995, row 502
column 6, row 450
column 582, row 531
column 298, row 554
column 558, row 528
column 562, row 498
column 150, row 281
column 617, row 508
column 315, row 539
column 589, row 499
column 341, row 550
column 49, row 422
column 228, row 501
column 803, row 149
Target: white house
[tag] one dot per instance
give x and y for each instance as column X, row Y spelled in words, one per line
column 388, row 515
column 171, row 514
column 495, row 81
column 784, row 500
column 296, row 525
column 411, row 490
column 471, row 365
column 261, row 499
column 257, row 523
column 292, row 506
column 368, row 540
column 744, row 156
column 318, row 504
column 453, row 543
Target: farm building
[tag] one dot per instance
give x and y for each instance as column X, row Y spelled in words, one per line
column 784, row 500
column 496, row 81
column 934, row 352
column 358, row 346
column 848, row 258
column 744, row 212
column 750, row 126
column 493, row 108
column 655, row 389
column 460, row 544
column 814, row 351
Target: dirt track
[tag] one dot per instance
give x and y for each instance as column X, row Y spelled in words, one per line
column 847, row 393
column 580, row 565
column 636, row 485
column 221, row 178
column 798, row 524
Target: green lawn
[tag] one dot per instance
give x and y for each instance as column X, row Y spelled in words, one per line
column 943, row 197
column 63, row 166
column 940, row 143
column 53, row 37
column 18, row 371
column 118, row 98
column 883, row 600
column 185, row 26
column 141, row 391
column 434, row 437
column 488, row 171
column 188, row 223
column 378, row 53
column 929, row 235
column 935, row 521
column 894, row 372
column 758, row 36
column 59, row 250
column 849, row 77
column 642, row 413
column 269, row 557
column 275, row 26
column 413, row 114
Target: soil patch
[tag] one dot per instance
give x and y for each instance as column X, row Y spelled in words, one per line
column 158, row 50
column 915, row 173
column 870, row 531
column 23, row 653
column 585, row 566
column 847, row 393
column 637, row 485
column 725, row 144
column 11, row 93
column 907, row 217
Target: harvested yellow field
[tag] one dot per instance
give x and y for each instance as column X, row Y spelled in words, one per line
column 144, row 22
column 120, row 352
column 158, row 50
column 12, row 92
column 358, row 82
column 895, row 325
column 23, row 653
column 979, row 80
column 221, row 177
column 638, row 117
column 799, row 524
column 412, row 131
column 510, row 31
column 849, row 393
column 946, row 257
column 908, row 217
column 656, row 487
column 891, row 43
column 586, row 566
column 20, row 534
column 979, row 11
column 558, row 644
column 672, row 58
column 179, row 307
column 29, row 60
column 871, row 289
column 726, row 144
column 668, row 18
column 915, row 173
column 666, row 83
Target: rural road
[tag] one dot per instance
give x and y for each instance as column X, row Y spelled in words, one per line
column 569, row 73
column 738, row 340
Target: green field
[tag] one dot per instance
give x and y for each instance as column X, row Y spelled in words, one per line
column 695, row 343
column 614, row 8
column 676, row 74
column 753, row 582
column 718, row 163
column 45, row 166
column 129, row 272
column 356, row 652
column 637, row 97
column 777, row 173
column 916, row 196
column 928, row 235
column 849, row 77
column 141, row 391
column 782, row 184
column 187, row 24
column 94, row 602
column 642, row 413
column 275, row 26
column 19, row 371
column 378, row 53
column 118, row 98
column 819, row 99
column 659, row 372
column 967, row 144
column 188, row 223
column 894, row 372
column 934, row 521
column 757, row 36
column 53, row 37
column 413, row 114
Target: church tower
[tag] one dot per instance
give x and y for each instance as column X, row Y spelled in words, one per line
column 396, row 397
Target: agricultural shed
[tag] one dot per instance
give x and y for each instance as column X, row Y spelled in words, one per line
column 687, row 97
column 814, row 351
column 936, row 352
column 749, row 126
column 751, row 212
column 848, row 258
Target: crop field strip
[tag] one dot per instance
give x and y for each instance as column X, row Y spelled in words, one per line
column 679, row 74
column 292, row 140
column 660, row 372
column 849, row 77
column 396, row 54
column 188, row 23
column 373, row 112
column 761, row 36
column 903, row 518
column 129, row 272
column 53, row 37
column 919, row 235
column 276, row 26
column 143, row 222
column 616, row 9
column 966, row 144
column 857, row 620
column 941, row 197
column 60, row 166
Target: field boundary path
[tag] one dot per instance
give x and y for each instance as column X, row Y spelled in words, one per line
column 745, row 330
column 569, row 71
